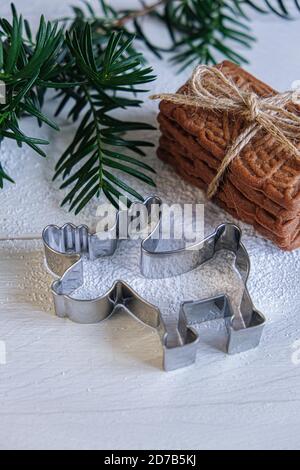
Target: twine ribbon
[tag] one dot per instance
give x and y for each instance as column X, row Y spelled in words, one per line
column 211, row 90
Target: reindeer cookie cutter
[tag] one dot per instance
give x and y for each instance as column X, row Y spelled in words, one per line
column 65, row 247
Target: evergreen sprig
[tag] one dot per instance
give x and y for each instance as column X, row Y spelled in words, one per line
column 97, row 77
column 26, row 71
column 201, row 28
column 99, row 134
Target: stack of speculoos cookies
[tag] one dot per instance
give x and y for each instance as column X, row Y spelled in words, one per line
column 262, row 186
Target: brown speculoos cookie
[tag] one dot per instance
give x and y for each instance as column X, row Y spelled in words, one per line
column 262, row 186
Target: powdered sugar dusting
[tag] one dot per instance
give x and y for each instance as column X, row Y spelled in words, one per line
column 216, row 277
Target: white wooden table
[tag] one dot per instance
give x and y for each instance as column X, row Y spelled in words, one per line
column 64, row 385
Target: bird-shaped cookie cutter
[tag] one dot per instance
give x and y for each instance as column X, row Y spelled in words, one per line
column 65, row 247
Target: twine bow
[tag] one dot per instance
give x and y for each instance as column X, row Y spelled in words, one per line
column 212, row 90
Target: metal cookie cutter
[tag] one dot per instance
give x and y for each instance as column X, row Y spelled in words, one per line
column 64, row 248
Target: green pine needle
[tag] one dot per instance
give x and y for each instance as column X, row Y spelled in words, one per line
column 4, row 176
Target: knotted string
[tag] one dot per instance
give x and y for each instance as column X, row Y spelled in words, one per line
column 210, row 89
